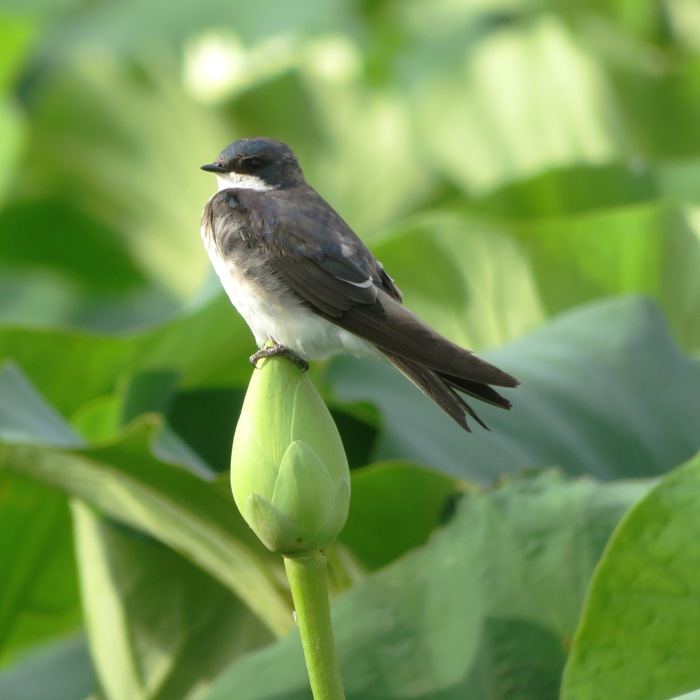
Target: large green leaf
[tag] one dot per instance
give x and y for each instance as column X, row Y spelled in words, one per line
column 485, row 293
column 143, row 392
column 485, row 610
column 41, row 298
column 579, row 189
column 158, row 627
column 124, row 480
column 38, row 587
column 208, row 344
column 394, row 508
column 499, row 280
column 69, row 242
column 571, row 190
column 520, row 98
column 651, row 249
column 640, row 630
column 604, row 391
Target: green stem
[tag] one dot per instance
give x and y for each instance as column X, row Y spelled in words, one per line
column 308, row 579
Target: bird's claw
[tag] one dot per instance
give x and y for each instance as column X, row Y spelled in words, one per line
column 276, row 349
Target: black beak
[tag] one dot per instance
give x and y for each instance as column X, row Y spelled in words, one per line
column 214, row 168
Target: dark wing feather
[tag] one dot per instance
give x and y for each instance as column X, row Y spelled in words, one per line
column 297, row 225
column 322, row 287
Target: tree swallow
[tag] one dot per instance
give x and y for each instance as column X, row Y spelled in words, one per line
column 309, row 288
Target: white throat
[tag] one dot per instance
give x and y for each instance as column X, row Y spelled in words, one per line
column 242, row 182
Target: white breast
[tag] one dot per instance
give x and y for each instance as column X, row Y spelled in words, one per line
column 273, row 313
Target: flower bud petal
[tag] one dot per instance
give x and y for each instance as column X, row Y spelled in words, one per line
column 276, row 531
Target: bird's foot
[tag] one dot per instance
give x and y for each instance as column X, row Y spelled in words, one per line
column 275, row 349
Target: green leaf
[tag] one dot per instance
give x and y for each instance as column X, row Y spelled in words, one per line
column 138, row 651
column 500, row 280
column 485, row 610
column 202, row 417
column 176, row 346
column 126, row 27
column 604, row 392
column 108, row 143
column 515, row 100
column 395, row 507
column 150, row 391
column 124, row 480
column 485, row 293
column 26, row 417
column 640, row 630
column 39, row 598
column 60, row 229
column 661, row 109
column 652, row 250
column 571, row 190
column 695, row 695
column 40, row 299
column 38, row 589
column 60, row 671
column 16, row 34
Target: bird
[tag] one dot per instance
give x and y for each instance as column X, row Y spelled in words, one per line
column 308, row 287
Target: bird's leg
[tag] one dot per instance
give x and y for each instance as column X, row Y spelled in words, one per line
column 274, row 348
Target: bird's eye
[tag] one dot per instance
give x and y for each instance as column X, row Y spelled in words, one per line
column 254, row 163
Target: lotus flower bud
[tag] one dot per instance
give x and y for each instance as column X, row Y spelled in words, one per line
column 289, row 473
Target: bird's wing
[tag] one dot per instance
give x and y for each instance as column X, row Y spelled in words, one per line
column 321, row 259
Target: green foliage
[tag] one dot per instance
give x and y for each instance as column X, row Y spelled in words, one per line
column 494, row 599
column 644, row 586
column 528, row 173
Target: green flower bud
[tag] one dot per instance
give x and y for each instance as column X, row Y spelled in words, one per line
column 289, row 473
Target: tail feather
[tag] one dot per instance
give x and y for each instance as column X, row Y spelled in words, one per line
column 398, row 332
column 436, row 365
column 441, row 389
column 480, row 391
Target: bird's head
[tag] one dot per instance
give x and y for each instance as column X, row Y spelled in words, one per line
column 256, row 164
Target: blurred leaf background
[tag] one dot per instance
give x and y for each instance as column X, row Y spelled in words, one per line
column 528, row 172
